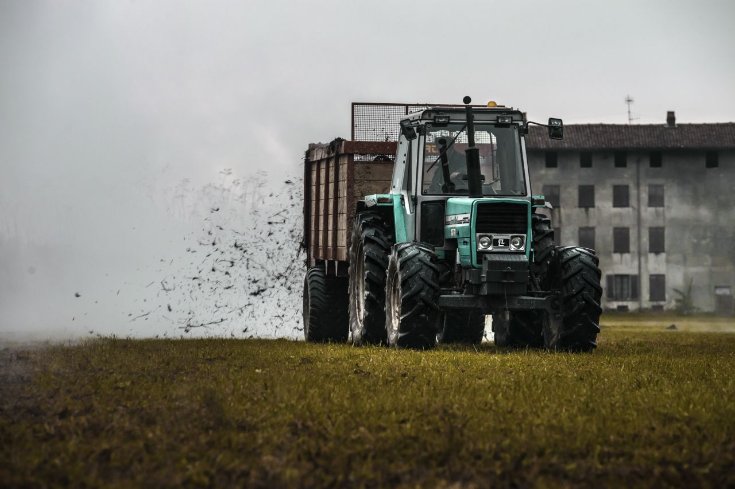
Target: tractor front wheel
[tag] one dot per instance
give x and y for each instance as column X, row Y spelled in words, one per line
column 369, row 249
column 580, row 290
column 411, row 290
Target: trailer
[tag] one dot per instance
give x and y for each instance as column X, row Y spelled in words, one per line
column 337, row 176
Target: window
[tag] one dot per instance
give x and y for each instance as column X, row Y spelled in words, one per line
column 587, row 237
column 551, row 194
column 445, row 165
column 621, row 159
column 655, row 196
column 657, row 287
column 551, row 159
column 586, row 196
column 711, row 159
column 655, row 159
column 622, row 287
column 621, row 240
column 620, row 196
column 656, row 240
column 585, row 159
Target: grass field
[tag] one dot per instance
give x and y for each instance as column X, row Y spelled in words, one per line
column 651, row 407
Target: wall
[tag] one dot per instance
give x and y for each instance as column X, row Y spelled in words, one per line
column 698, row 213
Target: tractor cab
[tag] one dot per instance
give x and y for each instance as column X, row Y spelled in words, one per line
column 455, row 164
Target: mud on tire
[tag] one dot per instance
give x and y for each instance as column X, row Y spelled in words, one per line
column 325, row 307
column 369, row 250
column 580, row 291
column 412, row 287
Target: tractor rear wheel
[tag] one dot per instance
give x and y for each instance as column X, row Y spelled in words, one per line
column 412, row 288
column 462, row 326
column 369, row 249
column 325, row 307
column 580, row 290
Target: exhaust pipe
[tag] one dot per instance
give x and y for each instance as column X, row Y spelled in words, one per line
column 474, row 178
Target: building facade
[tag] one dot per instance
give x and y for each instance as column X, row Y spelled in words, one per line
column 657, row 202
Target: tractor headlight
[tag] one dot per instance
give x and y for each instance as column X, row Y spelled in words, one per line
column 517, row 243
column 485, row 242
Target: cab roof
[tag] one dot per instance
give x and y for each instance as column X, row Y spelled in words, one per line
column 457, row 113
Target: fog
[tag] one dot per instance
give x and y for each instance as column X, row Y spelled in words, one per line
column 123, row 125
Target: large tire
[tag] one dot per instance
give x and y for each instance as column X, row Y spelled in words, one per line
column 412, row 289
column 525, row 328
column 462, row 326
column 580, row 291
column 369, row 249
column 325, row 307
column 543, row 250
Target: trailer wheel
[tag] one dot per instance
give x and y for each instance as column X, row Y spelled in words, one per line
column 579, row 285
column 369, row 249
column 412, row 287
column 524, row 330
column 462, row 326
column 325, row 307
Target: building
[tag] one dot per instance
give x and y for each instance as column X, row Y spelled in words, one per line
column 656, row 201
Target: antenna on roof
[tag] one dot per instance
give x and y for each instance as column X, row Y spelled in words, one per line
column 629, row 101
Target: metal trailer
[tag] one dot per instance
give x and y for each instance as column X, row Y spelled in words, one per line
column 336, row 176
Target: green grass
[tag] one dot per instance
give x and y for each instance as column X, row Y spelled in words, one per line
column 650, row 407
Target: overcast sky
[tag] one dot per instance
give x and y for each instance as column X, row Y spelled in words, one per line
column 107, row 106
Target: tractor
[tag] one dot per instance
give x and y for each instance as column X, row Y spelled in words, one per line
column 455, row 237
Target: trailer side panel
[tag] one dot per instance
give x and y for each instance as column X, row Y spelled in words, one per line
column 337, row 176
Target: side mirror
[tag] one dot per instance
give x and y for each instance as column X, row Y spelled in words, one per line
column 408, row 131
column 556, row 128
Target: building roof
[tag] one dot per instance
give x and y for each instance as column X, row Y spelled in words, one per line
column 635, row 136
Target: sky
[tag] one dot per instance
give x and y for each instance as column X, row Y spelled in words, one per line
column 123, row 123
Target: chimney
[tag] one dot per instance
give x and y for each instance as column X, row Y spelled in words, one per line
column 670, row 119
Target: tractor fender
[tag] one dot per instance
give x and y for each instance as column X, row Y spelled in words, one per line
column 381, row 204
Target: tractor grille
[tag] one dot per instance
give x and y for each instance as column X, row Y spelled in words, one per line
column 502, row 218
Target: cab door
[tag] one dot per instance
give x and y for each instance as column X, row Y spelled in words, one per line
column 430, row 209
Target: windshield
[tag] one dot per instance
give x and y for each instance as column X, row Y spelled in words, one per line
column 500, row 160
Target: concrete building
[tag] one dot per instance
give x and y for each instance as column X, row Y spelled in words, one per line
column 657, row 202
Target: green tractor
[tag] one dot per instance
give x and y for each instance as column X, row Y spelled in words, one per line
column 458, row 236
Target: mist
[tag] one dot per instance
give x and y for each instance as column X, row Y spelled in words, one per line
column 124, row 124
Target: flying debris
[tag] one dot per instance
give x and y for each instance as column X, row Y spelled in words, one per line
column 243, row 276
